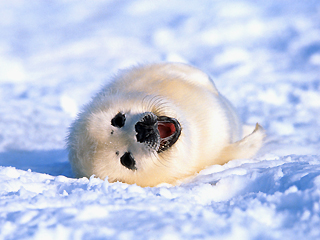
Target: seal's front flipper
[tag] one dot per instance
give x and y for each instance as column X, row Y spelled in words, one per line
column 245, row 148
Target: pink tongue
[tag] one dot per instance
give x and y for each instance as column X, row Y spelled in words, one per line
column 166, row 129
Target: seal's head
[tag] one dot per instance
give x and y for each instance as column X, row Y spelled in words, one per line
column 128, row 140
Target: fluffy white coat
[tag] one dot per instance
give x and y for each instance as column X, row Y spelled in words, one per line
column 211, row 132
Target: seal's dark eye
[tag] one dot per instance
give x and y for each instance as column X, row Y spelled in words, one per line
column 118, row 120
column 128, row 161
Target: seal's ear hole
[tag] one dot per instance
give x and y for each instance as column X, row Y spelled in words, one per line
column 119, row 120
column 128, row 161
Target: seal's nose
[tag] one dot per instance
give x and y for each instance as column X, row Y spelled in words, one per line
column 147, row 128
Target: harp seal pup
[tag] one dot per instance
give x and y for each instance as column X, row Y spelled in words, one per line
column 158, row 123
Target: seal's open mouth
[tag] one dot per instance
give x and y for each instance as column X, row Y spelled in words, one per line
column 159, row 133
column 169, row 130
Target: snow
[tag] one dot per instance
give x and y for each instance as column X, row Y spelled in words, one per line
column 264, row 56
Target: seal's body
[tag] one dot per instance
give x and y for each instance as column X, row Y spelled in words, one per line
column 157, row 124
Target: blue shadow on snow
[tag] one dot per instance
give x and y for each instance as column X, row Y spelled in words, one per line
column 52, row 162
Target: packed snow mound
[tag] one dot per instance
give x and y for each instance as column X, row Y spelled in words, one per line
column 269, row 199
column 264, row 57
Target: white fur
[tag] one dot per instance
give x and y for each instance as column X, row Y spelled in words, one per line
column 211, row 130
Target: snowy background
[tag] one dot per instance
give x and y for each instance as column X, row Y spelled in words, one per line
column 263, row 55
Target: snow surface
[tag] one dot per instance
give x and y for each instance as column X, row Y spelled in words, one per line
column 263, row 55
